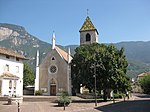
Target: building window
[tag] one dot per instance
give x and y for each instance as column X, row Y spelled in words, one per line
column 7, row 57
column 88, row 37
column 17, row 69
column 10, row 84
column 15, row 83
column 17, row 59
column 52, row 69
column 53, row 58
column 7, row 67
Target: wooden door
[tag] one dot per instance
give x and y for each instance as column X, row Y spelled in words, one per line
column 53, row 90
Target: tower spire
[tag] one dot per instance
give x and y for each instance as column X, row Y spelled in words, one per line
column 37, row 73
column 69, row 58
column 53, row 40
column 37, row 58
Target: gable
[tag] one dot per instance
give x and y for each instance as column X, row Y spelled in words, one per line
column 56, row 53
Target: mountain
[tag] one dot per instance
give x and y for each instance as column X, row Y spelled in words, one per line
column 138, row 51
column 17, row 38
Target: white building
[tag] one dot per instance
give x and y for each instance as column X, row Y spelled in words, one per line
column 11, row 73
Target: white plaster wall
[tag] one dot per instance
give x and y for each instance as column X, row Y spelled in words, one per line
column 12, row 69
column 5, row 87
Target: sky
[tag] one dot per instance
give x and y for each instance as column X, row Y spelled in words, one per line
column 115, row 20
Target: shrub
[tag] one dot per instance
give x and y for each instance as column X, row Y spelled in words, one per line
column 64, row 99
column 38, row 93
column 145, row 84
column 118, row 95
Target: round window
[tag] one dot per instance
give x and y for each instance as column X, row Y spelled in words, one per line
column 53, row 69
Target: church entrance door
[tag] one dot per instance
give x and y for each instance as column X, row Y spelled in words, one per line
column 53, row 90
column 52, row 87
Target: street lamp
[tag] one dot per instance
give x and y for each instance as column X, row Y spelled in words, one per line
column 95, row 85
column 95, row 82
column 94, row 66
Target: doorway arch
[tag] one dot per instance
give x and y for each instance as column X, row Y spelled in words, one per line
column 52, row 87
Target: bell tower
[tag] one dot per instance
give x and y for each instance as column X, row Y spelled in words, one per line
column 88, row 32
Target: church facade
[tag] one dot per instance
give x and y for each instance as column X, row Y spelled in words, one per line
column 53, row 75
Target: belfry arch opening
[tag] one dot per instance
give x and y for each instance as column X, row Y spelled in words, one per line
column 88, row 37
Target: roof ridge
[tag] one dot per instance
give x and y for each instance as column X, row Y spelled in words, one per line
column 63, row 53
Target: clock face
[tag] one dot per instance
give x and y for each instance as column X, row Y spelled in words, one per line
column 53, row 69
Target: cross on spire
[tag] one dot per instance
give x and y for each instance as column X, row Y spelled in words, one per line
column 87, row 12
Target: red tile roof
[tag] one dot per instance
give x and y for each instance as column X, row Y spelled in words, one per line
column 12, row 53
column 63, row 53
column 144, row 74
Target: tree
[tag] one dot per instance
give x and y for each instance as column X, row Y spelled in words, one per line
column 106, row 61
column 28, row 76
column 145, row 84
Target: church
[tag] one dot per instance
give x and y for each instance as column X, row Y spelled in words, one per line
column 53, row 75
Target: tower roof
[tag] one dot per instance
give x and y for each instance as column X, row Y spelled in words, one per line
column 88, row 25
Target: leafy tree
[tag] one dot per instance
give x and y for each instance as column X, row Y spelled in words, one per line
column 145, row 84
column 28, row 76
column 106, row 62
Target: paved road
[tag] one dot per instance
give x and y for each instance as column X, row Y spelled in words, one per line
column 139, row 103
column 48, row 107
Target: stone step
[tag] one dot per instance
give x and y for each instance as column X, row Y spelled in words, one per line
column 52, row 99
column 39, row 98
column 3, row 98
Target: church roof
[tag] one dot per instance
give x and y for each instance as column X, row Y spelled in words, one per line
column 63, row 53
column 144, row 74
column 9, row 52
column 7, row 75
column 88, row 25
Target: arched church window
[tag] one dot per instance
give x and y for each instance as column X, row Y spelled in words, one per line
column 53, row 58
column 88, row 37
